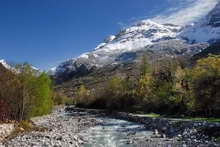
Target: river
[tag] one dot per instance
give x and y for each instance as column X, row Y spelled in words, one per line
column 114, row 133
column 86, row 128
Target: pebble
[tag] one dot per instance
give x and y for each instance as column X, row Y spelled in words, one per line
column 5, row 130
column 62, row 132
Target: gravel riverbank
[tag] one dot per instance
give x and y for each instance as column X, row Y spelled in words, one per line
column 62, row 131
column 5, row 130
column 170, row 132
column 72, row 128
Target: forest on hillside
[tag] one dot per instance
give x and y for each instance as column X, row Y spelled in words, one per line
column 169, row 86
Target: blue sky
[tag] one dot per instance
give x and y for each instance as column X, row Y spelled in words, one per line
column 47, row 32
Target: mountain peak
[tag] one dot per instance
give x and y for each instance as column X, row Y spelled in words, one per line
column 131, row 39
column 146, row 35
column 139, row 35
column 5, row 64
column 145, row 22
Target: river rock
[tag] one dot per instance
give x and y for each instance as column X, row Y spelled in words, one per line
column 5, row 130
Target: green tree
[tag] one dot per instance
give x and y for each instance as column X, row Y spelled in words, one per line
column 143, row 89
column 114, row 86
column 42, row 96
column 206, row 85
column 162, row 85
column 36, row 92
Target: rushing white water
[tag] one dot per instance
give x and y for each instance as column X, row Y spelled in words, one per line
column 114, row 133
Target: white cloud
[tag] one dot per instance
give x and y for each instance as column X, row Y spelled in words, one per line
column 186, row 11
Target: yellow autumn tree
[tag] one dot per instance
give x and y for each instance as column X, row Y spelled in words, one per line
column 82, row 96
column 206, row 85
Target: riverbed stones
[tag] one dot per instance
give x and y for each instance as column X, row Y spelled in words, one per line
column 180, row 130
column 189, row 131
column 62, row 131
column 5, row 130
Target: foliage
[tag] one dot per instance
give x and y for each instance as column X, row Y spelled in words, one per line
column 25, row 93
column 168, row 87
column 10, row 95
column 42, row 100
column 206, row 85
column 60, row 99
column 83, row 96
column 162, row 83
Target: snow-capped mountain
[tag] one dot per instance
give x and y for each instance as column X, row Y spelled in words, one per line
column 138, row 36
column 12, row 67
column 205, row 30
column 6, row 65
column 168, row 39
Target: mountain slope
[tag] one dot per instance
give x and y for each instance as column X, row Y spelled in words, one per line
column 116, row 49
column 12, row 67
column 205, row 30
column 163, row 39
column 140, row 35
column 5, row 64
column 3, row 69
column 213, row 49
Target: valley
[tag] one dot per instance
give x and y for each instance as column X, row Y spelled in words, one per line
column 150, row 84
